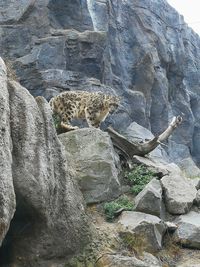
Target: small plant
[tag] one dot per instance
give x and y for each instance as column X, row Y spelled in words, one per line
column 56, row 120
column 138, row 177
column 132, row 242
column 111, row 209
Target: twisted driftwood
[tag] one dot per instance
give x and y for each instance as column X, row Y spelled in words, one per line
column 129, row 149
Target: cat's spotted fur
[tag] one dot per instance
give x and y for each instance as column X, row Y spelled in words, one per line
column 94, row 107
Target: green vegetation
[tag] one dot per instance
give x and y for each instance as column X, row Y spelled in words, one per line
column 138, row 177
column 133, row 243
column 56, row 120
column 111, row 209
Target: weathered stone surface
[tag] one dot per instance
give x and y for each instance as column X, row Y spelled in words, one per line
column 99, row 14
column 137, row 133
column 155, row 69
column 7, row 195
column 188, row 232
column 14, row 11
column 147, row 229
column 158, row 165
column 95, row 161
column 149, row 200
column 189, row 168
column 58, row 80
column 70, row 14
column 196, row 182
column 81, row 52
column 190, row 258
column 50, row 209
column 147, row 260
column 171, row 227
column 189, row 263
column 179, row 193
column 197, row 199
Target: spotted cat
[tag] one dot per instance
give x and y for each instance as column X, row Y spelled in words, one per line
column 94, row 107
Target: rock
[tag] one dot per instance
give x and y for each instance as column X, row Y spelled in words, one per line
column 7, row 194
column 189, row 258
column 50, row 71
column 158, row 165
column 171, row 227
column 188, row 232
column 197, row 199
column 137, row 133
column 17, row 12
column 189, row 168
column 149, row 200
column 50, row 212
column 70, row 14
column 146, row 231
column 189, row 263
column 61, row 80
column 179, row 193
column 157, row 78
column 99, row 14
column 95, row 161
column 139, row 63
column 147, row 260
column 196, row 182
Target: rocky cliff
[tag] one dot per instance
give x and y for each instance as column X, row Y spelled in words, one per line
column 38, row 192
column 141, row 50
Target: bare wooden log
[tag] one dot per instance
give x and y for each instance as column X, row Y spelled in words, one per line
column 129, row 149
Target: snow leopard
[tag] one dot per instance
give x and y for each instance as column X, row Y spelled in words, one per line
column 92, row 106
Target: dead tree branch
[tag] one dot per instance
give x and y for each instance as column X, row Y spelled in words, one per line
column 129, row 149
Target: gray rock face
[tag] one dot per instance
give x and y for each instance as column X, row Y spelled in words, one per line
column 95, row 161
column 70, row 14
column 153, row 65
column 188, row 232
column 147, row 229
column 14, row 11
column 149, row 200
column 49, row 213
column 7, row 195
column 81, row 52
column 179, row 193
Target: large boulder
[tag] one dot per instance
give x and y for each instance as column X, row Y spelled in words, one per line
column 188, row 232
column 190, row 169
column 146, row 231
column 179, row 193
column 149, row 200
column 95, row 161
column 50, row 214
column 7, row 194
